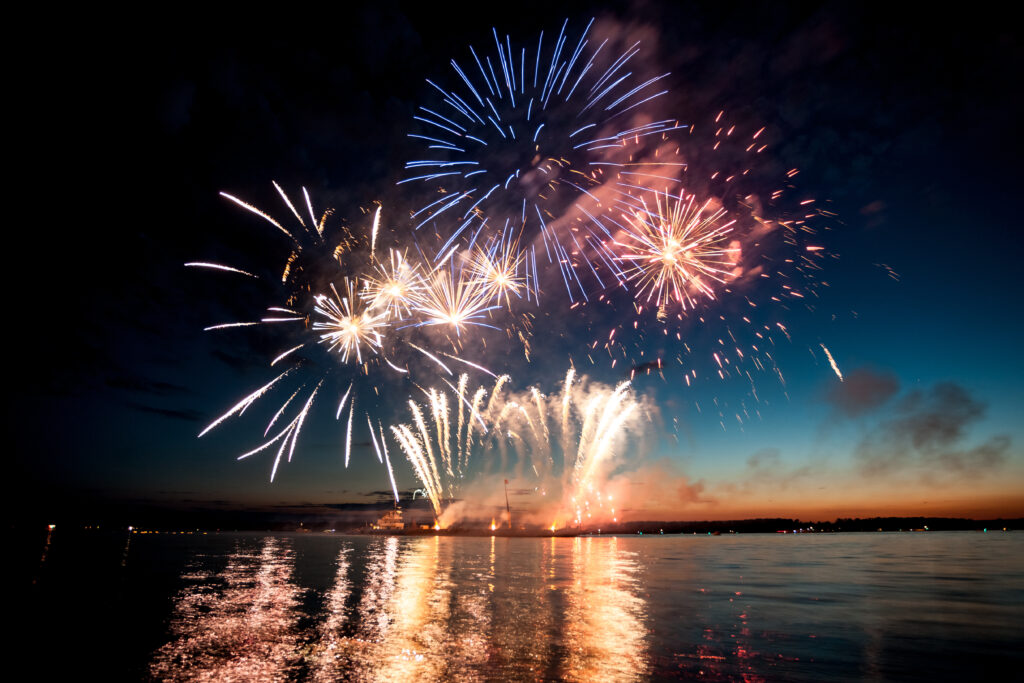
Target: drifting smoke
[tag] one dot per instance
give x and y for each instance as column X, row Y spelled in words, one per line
column 928, row 432
column 863, row 391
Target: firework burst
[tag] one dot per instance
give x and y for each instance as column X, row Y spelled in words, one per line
column 498, row 270
column 452, row 298
column 350, row 326
column 369, row 311
column 677, row 250
column 522, row 134
column 394, row 286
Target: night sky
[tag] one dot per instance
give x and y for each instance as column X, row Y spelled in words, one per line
column 903, row 124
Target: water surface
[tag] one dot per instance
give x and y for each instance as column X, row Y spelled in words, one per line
column 267, row 607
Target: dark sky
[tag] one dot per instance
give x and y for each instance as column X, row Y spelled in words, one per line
column 904, row 121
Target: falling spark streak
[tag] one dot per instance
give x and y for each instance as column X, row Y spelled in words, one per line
column 431, row 357
column 294, row 348
column 341, row 405
column 410, row 444
column 832, row 362
column 309, row 205
column 473, row 365
column 473, row 407
column 387, row 461
column 250, row 207
column 373, row 438
column 224, row 326
column 240, row 407
column 288, row 202
column 348, row 433
column 281, row 410
column 218, row 266
column 539, row 400
column 494, row 393
column 565, row 406
column 291, row 431
column 301, row 418
column 461, row 393
column 395, row 367
column 373, row 233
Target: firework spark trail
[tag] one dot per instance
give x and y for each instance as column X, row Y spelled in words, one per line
column 541, row 411
column 288, row 203
column 439, row 413
column 431, row 357
column 566, row 396
column 240, row 407
column 373, row 440
column 442, row 481
column 421, row 425
column 832, row 362
column 348, row 433
column 387, row 461
column 289, row 433
column 301, row 419
column 494, row 394
column 286, row 354
column 224, row 326
column 461, row 392
column 281, row 410
column 471, row 364
column 218, row 266
column 478, row 397
column 373, row 233
column 266, row 217
column 411, row 445
column 616, row 411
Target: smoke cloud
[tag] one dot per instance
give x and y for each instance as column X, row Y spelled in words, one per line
column 928, row 432
column 863, row 391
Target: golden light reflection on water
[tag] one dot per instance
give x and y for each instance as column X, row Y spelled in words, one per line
column 238, row 624
column 425, row 609
column 330, row 643
column 605, row 630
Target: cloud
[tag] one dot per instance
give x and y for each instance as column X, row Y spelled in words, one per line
column 928, row 432
column 863, row 391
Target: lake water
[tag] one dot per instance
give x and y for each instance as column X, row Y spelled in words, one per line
column 254, row 607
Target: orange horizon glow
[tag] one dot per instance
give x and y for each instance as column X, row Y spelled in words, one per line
column 1005, row 507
